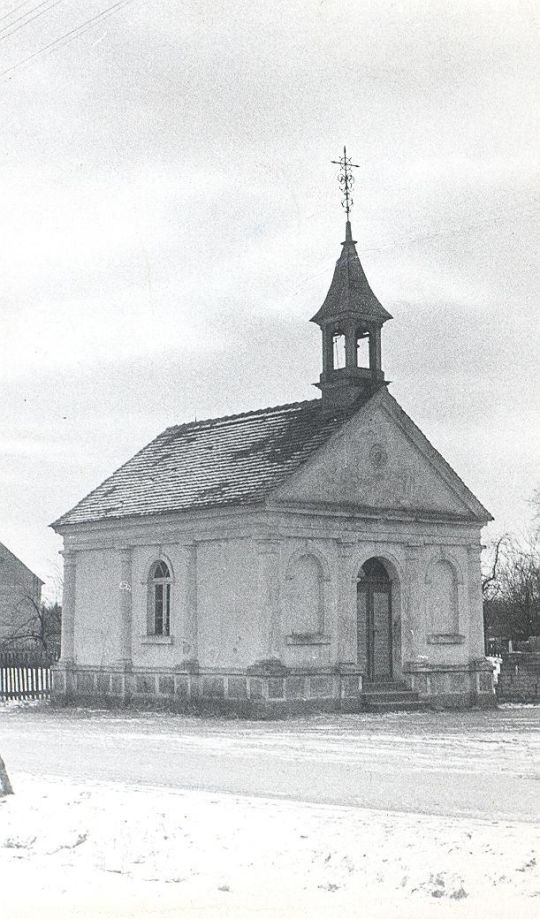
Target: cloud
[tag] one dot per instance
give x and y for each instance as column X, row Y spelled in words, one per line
column 170, row 221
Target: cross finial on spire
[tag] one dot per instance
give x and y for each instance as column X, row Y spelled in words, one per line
column 346, row 180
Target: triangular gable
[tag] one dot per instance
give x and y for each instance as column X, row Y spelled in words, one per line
column 380, row 460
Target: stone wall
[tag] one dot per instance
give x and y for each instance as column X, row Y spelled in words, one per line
column 519, row 678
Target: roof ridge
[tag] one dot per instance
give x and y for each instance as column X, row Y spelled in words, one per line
column 239, row 415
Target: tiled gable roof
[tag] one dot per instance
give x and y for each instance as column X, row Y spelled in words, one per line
column 223, row 461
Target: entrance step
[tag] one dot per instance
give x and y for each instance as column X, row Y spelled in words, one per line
column 405, row 705
column 386, row 695
column 390, row 686
column 391, row 697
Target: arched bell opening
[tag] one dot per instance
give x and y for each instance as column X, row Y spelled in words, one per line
column 339, row 350
column 363, row 356
column 375, row 623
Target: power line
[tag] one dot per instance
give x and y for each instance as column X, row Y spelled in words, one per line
column 70, row 36
column 17, row 8
column 23, row 16
column 463, row 229
column 26, row 21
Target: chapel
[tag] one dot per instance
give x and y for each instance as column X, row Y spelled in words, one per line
column 319, row 555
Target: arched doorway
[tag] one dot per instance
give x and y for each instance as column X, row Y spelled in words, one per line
column 374, row 615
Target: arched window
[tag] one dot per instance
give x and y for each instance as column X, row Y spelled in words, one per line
column 338, row 350
column 304, row 596
column 444, row 599
column 159, row 599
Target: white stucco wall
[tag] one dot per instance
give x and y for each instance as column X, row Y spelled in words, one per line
column 241, row 598
column 96, row 627
column 323, row 649
column 230, row 620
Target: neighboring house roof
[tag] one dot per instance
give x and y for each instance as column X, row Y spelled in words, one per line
column 5, row 551
column 238, row 459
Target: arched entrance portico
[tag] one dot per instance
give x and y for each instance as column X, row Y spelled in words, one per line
column 374, row 621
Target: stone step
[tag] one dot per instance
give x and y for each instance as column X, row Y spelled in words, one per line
column 387, row 695
column 392, row 696
column 390, row 686
column 404, row 705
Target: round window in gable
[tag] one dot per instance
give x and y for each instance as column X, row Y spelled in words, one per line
column 378, row 456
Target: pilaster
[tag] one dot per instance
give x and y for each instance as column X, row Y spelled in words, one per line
column 125, row 649
column 350, row 345
column 68, row 607
column 375, row 361
column 346, row 618
column 269, row 597
column 191, row 630
column 413, row 628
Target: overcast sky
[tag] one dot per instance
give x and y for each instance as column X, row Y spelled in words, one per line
column 170, row 221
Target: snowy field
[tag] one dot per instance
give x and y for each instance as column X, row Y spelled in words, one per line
column 403, row 815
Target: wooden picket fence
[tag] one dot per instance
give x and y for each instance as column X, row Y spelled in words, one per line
column 24, row 675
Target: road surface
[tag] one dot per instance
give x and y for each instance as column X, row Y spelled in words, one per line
column 483, row 764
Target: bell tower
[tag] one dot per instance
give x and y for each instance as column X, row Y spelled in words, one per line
column 350, row 319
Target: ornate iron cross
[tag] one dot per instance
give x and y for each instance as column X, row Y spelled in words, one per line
column 346, row 179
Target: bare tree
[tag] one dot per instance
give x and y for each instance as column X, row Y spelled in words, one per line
column 492, row 561
column 35, row 626
column 511, row 588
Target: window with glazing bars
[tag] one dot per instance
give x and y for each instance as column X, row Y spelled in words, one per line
column 160, row 599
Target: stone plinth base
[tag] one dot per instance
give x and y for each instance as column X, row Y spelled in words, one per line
column 265, row 690
column 258, row 691
column 452, row 685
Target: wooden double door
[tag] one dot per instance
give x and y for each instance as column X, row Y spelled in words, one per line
column 374, row 613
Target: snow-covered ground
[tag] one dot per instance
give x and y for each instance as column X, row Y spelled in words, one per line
column 81, row 839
